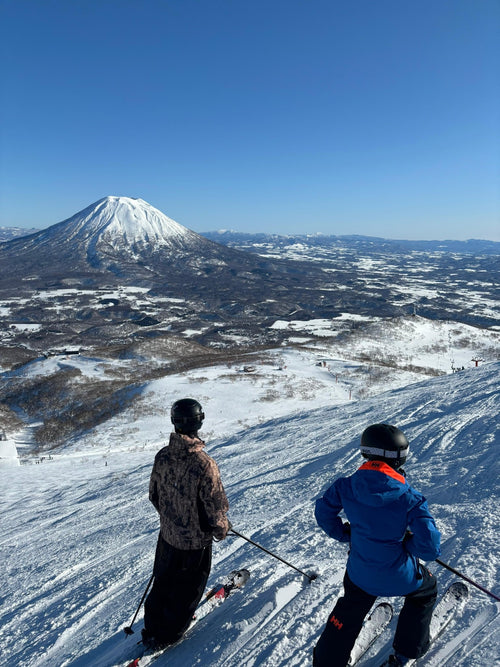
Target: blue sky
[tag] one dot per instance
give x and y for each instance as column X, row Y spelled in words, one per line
column 377, row 117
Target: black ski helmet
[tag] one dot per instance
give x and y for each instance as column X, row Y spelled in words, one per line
column 383, row 442
column 187, row 415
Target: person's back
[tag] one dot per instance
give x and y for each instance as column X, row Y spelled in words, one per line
column 381, row 507
column 186, row 490
column 389, row 528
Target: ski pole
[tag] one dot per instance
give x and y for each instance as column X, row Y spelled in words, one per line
column 311, row 577
column 128, row 630
column 459, row 574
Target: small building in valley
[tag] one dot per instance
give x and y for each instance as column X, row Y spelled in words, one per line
column 8, row 450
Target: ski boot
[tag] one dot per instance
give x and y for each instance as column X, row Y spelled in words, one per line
column 152, row 644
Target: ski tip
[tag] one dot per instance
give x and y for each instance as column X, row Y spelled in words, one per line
column 239, row 578
column 134, row 663
column 459, row 589
column 387, row 609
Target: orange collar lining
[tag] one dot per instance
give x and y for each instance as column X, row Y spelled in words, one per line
column 380, row 466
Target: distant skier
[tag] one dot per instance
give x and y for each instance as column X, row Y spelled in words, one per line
column 187, row 491
column 389, row 528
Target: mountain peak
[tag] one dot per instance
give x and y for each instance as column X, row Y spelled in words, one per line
column 127, row 221
column 119, row 234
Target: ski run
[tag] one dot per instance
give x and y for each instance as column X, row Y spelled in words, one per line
column 78, row 533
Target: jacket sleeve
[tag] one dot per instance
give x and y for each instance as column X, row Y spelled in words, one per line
column 327, row 512
column 425, row 542
column 213, row 501
column 154, row 482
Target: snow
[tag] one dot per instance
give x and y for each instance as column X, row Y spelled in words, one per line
column 79, row 553
column 415, row 341
column 25, row 327
column 8, row 452
column 126, row 220
column 320, row 327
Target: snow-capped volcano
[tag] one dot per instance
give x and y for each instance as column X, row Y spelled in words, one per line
column 122, row 221
column 127, row 237
column 114, row 224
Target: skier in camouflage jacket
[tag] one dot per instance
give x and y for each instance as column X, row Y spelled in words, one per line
column 186, row 490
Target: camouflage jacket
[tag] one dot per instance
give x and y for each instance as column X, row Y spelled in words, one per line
column 187, row 491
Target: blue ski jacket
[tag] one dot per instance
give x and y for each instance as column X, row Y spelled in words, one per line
column 381, row 507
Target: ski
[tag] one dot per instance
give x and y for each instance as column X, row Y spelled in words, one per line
column 213, row 598
column 449, row 606
column 372, row 628
column 237, row 579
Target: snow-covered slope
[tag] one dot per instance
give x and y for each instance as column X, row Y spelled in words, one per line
column 410, row 342
column 78, row 532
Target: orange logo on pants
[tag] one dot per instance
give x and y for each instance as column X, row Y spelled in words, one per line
column 336, row 622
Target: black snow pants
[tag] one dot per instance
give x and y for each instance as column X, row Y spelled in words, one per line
column 180, row 578
column 344, row 623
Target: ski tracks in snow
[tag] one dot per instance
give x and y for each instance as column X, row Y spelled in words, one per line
column 257, row 630
column 463, row 642
column 273, row 626
column 469, row 643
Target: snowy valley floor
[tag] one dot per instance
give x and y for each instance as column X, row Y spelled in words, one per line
column 78, row 532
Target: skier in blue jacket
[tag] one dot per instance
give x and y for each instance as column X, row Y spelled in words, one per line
column 389, row 529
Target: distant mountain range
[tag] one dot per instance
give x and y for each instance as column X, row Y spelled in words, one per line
column 244, row 240
column 9, row 233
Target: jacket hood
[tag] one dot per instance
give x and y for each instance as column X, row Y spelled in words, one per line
column 377, row 484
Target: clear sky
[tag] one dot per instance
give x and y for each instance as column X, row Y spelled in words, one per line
column 377, row 117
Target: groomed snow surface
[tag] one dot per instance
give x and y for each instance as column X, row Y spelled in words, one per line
column 78, row 532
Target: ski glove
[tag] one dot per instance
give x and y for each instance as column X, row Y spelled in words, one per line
column 408, row 536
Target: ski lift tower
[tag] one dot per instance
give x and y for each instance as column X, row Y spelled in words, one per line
column 476, row 361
